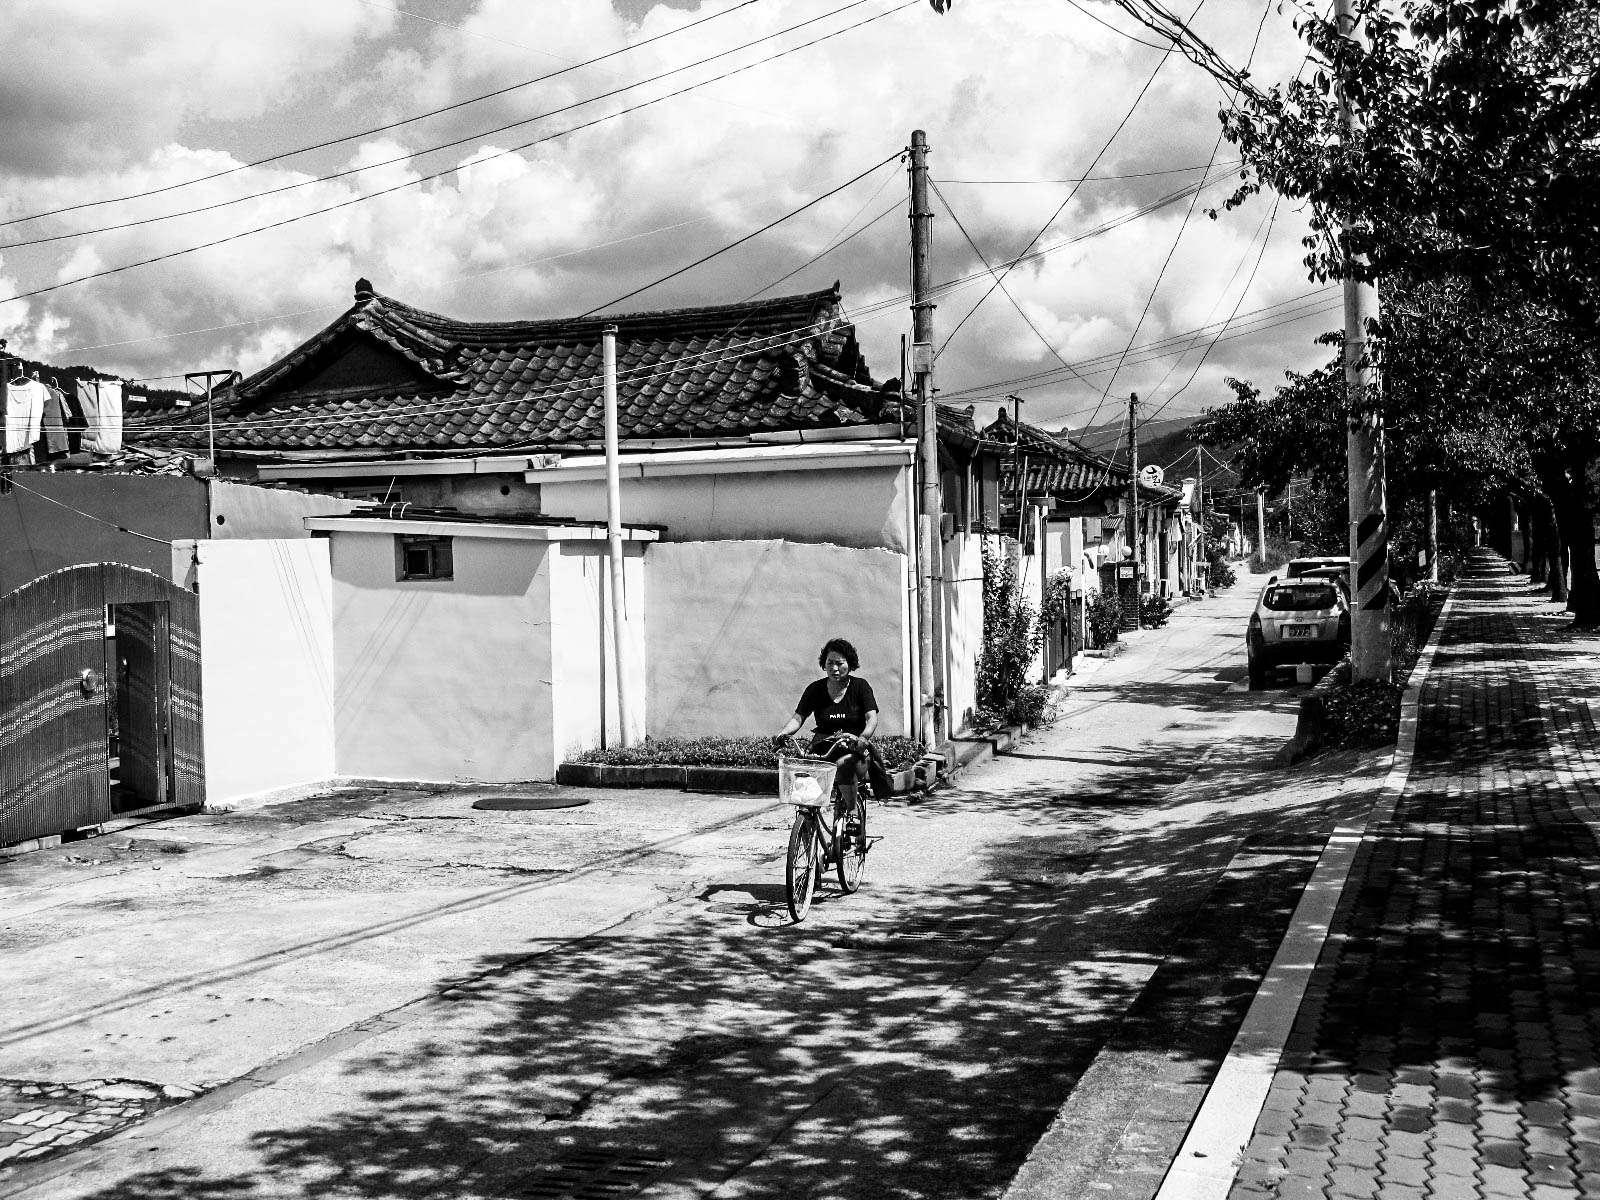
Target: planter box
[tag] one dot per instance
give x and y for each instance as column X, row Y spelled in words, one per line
column 756, row 781
column 611, row 775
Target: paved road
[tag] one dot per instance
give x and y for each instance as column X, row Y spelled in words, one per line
column 382, row 995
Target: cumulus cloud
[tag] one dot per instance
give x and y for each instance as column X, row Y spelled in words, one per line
column 1025, row 90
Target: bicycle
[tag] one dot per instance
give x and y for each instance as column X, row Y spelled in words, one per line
column 814, row 842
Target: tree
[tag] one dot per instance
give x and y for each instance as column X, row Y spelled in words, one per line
column 1472, row 185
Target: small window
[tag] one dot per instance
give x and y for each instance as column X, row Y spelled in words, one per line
column 417, row 556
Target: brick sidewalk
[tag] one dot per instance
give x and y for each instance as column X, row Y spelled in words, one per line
column 1447, row 1042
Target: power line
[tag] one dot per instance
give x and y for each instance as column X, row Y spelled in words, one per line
column 39, row 291
column 332, row 176
column 349, row 137
column 793, row 212
column 1098, row 20
column 1183, row 227
column 11, row 478
column 1233, row 162
column 1001, row 281
column 1128, row 116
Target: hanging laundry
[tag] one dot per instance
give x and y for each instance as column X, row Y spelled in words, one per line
column 24, row 414
column 57, row 412
column 100, row 401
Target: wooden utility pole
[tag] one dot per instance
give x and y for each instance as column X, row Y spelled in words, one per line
column 1370, row 649
column 1433, row 534
column 1133, row 494
column 928, row 723
column 619, row 633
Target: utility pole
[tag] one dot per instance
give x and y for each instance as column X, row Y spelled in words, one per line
column 928, row 723
column 1133, row 495
column 1433, row 534
column 1261, row 527
column 619, row 638
column 1370, row 649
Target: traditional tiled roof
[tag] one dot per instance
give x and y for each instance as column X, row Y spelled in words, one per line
column 389, row 378
column 1057, row 466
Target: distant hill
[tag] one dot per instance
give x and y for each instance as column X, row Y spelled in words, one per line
column 1165, row 443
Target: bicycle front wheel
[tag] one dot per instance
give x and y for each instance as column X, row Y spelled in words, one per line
column 851, row 848
column 803, row 864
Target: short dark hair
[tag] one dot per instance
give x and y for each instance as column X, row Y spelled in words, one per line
column 846, row 652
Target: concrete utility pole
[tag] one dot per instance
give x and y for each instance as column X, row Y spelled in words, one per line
column 1133, row 495
column 1370, row 649
column 928, row 723
column 1433, row 534
column 608, row 367
column 1261, row 526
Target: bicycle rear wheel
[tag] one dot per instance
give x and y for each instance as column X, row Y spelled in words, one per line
column 802, row 865
column 850, row 855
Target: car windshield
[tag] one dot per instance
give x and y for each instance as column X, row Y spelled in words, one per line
column 1299, row 597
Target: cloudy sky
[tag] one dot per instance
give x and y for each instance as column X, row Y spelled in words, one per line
column 138, row 130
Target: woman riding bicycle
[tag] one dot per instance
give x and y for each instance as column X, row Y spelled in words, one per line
column 846, row 713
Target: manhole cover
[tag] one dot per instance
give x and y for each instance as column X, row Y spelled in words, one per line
column 525, row 802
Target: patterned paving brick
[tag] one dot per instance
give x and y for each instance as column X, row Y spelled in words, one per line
column 1457, row 1015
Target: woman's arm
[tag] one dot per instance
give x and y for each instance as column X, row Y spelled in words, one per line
column 793, row 726
column 871, row 726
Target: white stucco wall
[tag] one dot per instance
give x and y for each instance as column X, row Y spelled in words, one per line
column 733, row 629
column 863, row 506
column 241, row 510
column 443, row 679
column 583, row 661
column 267, row 664
column 962, row 613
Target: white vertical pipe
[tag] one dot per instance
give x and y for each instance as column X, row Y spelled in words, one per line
column 608, row 361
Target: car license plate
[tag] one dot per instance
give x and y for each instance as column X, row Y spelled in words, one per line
column 1299, row 631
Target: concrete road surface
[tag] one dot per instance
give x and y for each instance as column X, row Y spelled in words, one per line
column 383, row 993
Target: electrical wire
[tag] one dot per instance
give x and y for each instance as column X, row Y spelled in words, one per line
column 345, row 173
column 1183, row 227
column 1232, row 162
column 11, row 479
column 1119, row 32
column 376, row 129
column 65, row 283
column 1128, row 116
column 1056, row 354
column 794, row 212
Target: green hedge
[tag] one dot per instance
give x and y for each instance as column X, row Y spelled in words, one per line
column 898, row 752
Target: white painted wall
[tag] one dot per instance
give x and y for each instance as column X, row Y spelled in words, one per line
column 583, row 661
column 962, row 614
column 443, row 679
column 242, row 510
column 733, row 629
column 861, row 506
column 266, row 664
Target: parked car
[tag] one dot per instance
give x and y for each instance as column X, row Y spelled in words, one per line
column 1300, row 620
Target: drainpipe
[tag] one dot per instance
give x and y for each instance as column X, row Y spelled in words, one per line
column 608, row 360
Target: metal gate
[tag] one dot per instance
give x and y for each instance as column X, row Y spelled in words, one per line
column 55, row 706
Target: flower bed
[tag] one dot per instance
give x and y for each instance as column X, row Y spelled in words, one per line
column 898, row 753
column 748, row 764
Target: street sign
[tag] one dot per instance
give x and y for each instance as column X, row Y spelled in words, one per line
column 1151, row 476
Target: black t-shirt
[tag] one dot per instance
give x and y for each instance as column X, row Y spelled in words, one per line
column 849, row 714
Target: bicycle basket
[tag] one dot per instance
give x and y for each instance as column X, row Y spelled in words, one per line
column 805, row 782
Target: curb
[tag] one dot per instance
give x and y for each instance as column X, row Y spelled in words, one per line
column 1208, row 1162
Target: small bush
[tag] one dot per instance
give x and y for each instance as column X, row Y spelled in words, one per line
column 1271, row 556
column 1103, row 612
column 898, row 752
column 1030, row 706
column 1154, row 610
column 1219, row 574
column 1363, row 714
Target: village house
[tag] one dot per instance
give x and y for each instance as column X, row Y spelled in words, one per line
column 441, row 611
